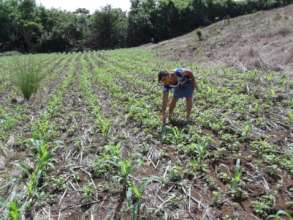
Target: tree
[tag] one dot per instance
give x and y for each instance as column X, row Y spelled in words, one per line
column 108, row 28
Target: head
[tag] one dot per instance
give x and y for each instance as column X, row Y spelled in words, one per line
column 164, row 77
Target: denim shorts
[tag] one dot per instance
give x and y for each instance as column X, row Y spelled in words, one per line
column 184, row 91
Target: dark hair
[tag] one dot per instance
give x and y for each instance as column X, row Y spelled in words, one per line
column 162, row 74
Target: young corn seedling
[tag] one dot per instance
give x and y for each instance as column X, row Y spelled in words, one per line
column 236, row 191
column 43, row 161
column 135, row 193
column 123, row 178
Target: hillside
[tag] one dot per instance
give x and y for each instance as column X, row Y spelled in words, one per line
column 263, row 40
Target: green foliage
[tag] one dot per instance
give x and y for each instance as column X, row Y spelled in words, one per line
column 27, row 73
column 217, row 199
column 199, row 34
column 14, row 211
column 290, row 116
column 108, row 160
column 175, row 173
column 125, row 168
column 263, row 206
column 236, row 191
column 28, row 27
column 134, row 195
column 280, row 215
column 103, row 123
column 88, row 191
column 43, row 160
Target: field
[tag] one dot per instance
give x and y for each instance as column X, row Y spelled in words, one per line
column 90, row 142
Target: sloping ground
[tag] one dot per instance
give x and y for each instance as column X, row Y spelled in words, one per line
column 263, row 40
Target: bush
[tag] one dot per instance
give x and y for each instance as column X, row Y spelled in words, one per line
column 199, row 34
column 27, row 74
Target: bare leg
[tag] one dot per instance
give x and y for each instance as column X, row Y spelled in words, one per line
column 188, row 107
column 172, row 107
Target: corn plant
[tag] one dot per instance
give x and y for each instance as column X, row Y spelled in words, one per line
column 103, row 123
column 43, row 160
column 135, row 193
column 236, row 191
column 27, row 72
column 125, row 169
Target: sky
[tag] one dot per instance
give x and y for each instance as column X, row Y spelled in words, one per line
column 91, row 5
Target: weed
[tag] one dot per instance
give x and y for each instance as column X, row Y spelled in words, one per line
column 290, row 116
column 246, row 130
column 217, row 199
column 263, row 206
column 175, row 173
column 199, row 35
column 27, row 72
column 224, row 177
column 108, row 160
column 280, row 215
column 88, row 191
column 261, row 147
column 14, row 211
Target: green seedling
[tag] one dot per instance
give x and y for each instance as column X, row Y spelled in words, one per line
column 290, row 116
column 88, row 191
column 175, row 173
column 135, row 193
column 263, row 206
column 108, row 160
column 217, row 199
column 280, row 215
column 237, row 193
column 14, row 211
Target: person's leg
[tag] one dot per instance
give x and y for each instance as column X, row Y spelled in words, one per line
column 172, row 107
column 188, row 107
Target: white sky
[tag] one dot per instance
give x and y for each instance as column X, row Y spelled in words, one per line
column 92, row 5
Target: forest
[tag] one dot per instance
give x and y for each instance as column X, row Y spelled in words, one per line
column 30, row 28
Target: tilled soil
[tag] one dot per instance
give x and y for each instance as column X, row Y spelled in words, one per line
column 14, row 151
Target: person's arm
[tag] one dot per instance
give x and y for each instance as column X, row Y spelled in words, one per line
column 190, row 76
column 164, row 106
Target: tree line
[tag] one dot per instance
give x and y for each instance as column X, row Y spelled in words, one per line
column 28, row 27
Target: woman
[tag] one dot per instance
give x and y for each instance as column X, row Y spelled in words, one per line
column 183, row 83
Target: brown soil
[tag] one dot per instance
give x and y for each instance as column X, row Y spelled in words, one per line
column 16, row 152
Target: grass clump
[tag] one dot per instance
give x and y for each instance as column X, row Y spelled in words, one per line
column 27, row 74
